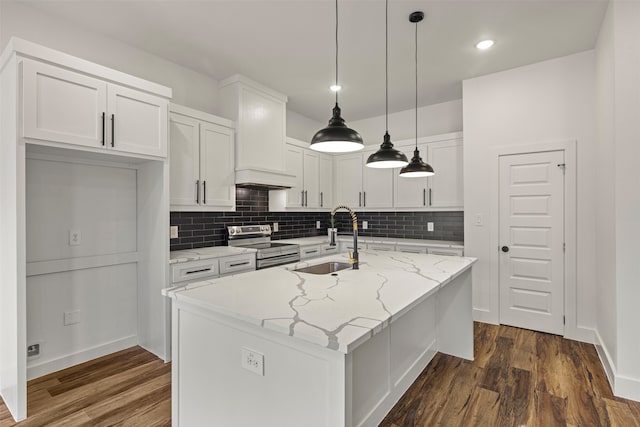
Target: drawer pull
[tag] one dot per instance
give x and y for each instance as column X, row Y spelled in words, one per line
column 311, row 252
column 238, row 264
column 199, row 271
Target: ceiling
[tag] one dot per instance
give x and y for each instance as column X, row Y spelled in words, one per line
column 289, row 45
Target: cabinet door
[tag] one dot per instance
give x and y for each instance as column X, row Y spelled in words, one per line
column 325, row 177
column 377, row 185
column 445, row 186
column 410, row 192
column 217, row 167
column 184, row 160
column 62, row 106
column 348, row 189
column 294, row 160
column 311, row 171
column 137, row 122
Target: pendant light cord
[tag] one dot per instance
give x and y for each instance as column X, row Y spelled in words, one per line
column 386, row 65
column 337, row 51
column 416, row 58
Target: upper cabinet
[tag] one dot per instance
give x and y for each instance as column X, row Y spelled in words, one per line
column 259, row 114
column 312, row 172
column 71, row 107
column 358, row 186
column 201, row 161
column 444, row 190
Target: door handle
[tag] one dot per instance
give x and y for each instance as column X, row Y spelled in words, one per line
column 505, row 249
column 424, row 197
column 359, row 198
column 321, row 200
column 429, row 197
column 104, row 130
column 302, row 198
column 198, row 192
column 204, row 192
column 364, row 198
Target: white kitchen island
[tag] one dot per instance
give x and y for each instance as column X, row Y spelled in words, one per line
column 325, row 350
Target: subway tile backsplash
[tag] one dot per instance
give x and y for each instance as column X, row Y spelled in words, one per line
column 202, row 229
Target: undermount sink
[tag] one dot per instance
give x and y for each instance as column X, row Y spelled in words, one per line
column 325, row 267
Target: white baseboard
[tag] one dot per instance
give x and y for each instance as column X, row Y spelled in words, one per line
column 484, row 316
column 581, row 334
column 625, row 387
column 49, row 366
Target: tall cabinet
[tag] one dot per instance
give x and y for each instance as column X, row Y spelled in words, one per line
column 84, row 217
column 202, row 161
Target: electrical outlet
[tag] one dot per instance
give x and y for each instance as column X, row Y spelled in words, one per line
column 275, row 227
column 429, row 226
column 365, row 225
column 252, row 361
column 71, row 317
column 75, row 237
column 479, row 220
column 173, row 232
column 33, row 350
column 318, row 225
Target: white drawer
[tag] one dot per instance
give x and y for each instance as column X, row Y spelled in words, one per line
column 237, row 264
column 328, row 250
column 195, row 270
column 446, row 251
column 381, row 246
column 412, row 249
column 310, row 251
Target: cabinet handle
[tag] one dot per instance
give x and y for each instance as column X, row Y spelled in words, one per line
column 302, row 198
column 306, row 198
column 204, row 192
column 359, row 198
column 104, row 126
column 238, row 264
column 364, row 198
column 315, row 251
column 198, row 271
column 321, row 200
column 198, row 192
column 424, row 197
column 429, row 197
column 113, row 130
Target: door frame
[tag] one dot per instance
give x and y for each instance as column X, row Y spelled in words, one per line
column 571, row 328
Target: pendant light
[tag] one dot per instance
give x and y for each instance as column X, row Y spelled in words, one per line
column 336, row 137
column 416, row 168
column 387, row 156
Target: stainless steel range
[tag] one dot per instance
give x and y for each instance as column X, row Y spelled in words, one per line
column 259, row 237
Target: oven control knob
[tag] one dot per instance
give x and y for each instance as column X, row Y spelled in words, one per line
column 232, row 231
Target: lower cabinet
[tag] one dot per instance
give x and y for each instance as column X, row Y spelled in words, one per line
column 446, row 251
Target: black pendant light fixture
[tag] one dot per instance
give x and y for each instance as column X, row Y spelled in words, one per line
column 416, row 168
column 336, row 137
column 387, row 156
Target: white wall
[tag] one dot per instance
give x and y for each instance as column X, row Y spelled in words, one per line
column 618, row 224
column 432, row 120
column 548, row 101
column 190, row 88
column 302, row 127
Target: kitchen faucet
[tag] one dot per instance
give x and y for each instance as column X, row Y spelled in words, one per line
column 353, row 259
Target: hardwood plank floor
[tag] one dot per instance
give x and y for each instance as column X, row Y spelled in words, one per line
column 518, row 378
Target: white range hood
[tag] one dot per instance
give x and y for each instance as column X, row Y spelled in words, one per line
column 260, row 115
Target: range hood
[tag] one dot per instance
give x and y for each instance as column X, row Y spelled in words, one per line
column 264, row 178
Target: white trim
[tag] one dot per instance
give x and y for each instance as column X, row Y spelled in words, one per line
column 571, row 329
column 238, row 78
column 63, row 362
column 625, row 387
column 484, row 316
column 82, row 263
column 200, row 115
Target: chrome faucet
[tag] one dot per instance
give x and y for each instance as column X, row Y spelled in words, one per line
column 353, row 259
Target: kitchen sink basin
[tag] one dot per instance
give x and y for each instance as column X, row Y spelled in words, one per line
column 325, row 267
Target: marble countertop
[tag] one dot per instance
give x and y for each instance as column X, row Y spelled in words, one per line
column 337, row 312
column 204, row 253
column 316, row 240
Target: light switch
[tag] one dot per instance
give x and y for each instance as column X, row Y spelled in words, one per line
column 75, row 237
column 275, row 227
column 365, row 225
column 173, row 232
column 429, row 226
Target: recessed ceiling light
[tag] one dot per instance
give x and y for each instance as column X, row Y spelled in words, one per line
column 335, row 88
column 484, row 44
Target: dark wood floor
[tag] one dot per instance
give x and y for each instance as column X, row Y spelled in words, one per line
column 518, row 378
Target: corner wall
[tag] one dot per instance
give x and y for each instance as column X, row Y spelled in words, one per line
column 547, row 101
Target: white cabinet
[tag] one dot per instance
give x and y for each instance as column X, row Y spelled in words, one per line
column 411, row 249
column 325, row 178
column 310, row 251
column 442, row 190
column 386, row 247
column 309, row 168
column 64, row 106
column 358, row 186
column 201, row 161
column 446, row 251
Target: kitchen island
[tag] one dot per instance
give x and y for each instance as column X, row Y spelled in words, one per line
column 279, row 347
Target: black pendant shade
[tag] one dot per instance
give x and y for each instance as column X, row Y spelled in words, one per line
column 416, row 167
column 336, row 137
column 387, row 156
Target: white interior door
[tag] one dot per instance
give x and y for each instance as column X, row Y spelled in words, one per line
column 532, row 241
